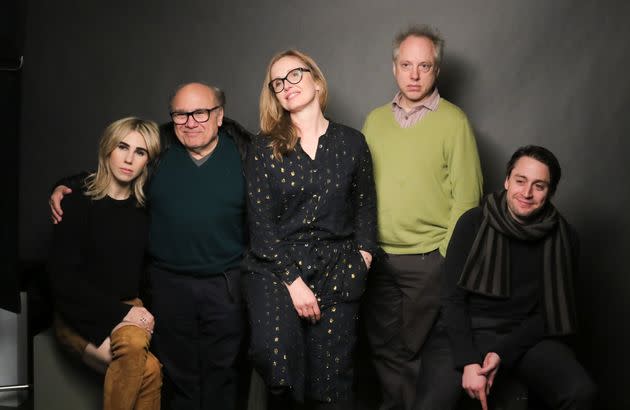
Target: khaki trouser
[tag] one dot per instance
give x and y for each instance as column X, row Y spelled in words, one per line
column 133, row 377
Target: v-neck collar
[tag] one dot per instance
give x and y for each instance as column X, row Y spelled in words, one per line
column 317, row 146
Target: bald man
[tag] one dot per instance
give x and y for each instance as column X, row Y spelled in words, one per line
column 196, row 200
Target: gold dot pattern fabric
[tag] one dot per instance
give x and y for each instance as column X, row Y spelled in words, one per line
column 309, row 218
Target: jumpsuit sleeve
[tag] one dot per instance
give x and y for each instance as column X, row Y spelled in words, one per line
column 364, row 200
column 262, row 213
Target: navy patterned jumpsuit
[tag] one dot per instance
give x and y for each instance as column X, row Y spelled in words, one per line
column 309, row 218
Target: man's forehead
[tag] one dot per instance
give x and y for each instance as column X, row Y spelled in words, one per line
column 193, row 96
column 531, row 168
column 414, row 45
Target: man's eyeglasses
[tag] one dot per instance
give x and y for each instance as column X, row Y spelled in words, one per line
column 199, row 115
column 294, row 76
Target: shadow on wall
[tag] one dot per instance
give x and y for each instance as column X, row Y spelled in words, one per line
column 455, row 83
column 602, row 344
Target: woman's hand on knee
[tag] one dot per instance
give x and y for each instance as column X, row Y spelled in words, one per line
column 140, row 317
column 304, row 300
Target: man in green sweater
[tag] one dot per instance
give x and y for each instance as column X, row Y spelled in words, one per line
column 427, row 174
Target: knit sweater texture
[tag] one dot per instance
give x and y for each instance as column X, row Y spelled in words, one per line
column 198, row 212
column 426, row 176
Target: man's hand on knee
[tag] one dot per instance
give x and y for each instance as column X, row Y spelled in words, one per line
column 475, row 384
column 490, row 368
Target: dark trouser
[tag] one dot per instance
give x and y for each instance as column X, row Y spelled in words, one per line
column 200, row 326
column 549, row 369
column 400, row 307
column 294, row 356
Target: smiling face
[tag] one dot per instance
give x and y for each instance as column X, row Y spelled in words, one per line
column 295, row 97
column 415, row 54
column 527, row 188
column 199, row 138
column 128, row 159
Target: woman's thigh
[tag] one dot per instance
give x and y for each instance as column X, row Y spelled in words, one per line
column 276, row 345
column 329, row 351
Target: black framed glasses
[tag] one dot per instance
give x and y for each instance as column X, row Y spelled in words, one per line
column 199, row 115
column 294, row 76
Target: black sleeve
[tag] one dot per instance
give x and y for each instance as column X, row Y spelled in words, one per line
column 74, row 182
column 455, row 299
column 75, row 298
column 265, row 243
column 364, row 200
column 521, row 339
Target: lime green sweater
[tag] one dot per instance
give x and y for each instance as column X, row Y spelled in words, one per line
column 426, row 176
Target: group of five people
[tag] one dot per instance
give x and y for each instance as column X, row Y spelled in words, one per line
column 279, row 231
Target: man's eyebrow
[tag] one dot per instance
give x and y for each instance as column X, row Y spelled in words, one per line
column 535, row 180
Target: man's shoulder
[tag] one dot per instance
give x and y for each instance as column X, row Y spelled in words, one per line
column 472, row 216
column 236, row 130
column 380, row 111
column 445, row 107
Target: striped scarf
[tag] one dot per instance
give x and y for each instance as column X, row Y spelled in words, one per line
column 487, row 268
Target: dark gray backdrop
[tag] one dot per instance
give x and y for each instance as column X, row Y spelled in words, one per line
column 553, row 73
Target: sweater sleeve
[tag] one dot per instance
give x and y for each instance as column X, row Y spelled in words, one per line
column 76, row 299
column 364, row 200
column 455, row 299
column 520, row 340
column 265, row 243
column 464, row 174
column 74, row 182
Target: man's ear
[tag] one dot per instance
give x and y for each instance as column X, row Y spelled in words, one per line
column 220, row 117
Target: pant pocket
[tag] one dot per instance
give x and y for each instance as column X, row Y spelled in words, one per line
column 354, row 277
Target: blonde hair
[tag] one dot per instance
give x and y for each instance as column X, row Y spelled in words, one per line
column 275, row 121
column 98, row 183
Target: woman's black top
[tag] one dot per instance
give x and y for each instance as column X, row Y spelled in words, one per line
column 304, row 210
column 96, row 262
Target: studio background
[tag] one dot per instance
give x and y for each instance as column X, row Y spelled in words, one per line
column 553, row 73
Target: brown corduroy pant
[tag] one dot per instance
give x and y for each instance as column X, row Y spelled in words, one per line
column 133, row 378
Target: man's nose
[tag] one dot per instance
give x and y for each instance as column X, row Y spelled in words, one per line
column 191, row 122
column 415, row 73
column 529, row 189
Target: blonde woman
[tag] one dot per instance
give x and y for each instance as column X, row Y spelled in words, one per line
column 96, row 264
column 312, row 224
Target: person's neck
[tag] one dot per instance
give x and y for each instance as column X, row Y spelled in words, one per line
column 119, row 191
column 409, row 106
column 311, row 124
